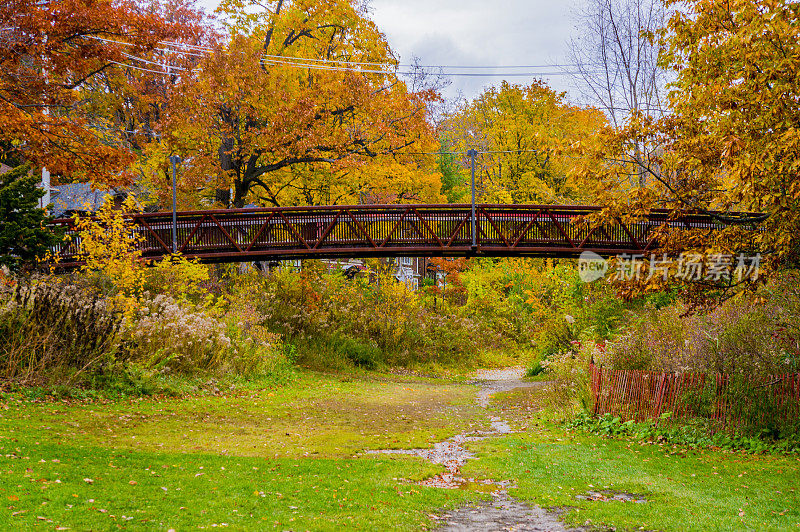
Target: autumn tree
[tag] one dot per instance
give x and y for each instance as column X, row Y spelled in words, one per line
column 51, row 52
column 731, row 137
column 300, row 107
column 524, row 133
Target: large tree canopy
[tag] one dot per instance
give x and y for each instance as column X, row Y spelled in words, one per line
column 525, row 132
column 269, row 116
column 730, row 139
column 52, row 54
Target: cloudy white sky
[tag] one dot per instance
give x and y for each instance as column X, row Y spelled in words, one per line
column 478, row 33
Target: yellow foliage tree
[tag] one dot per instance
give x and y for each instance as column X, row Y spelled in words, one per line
column 729, row 141
column 110, row 251
column 265, row 121
column 529, row 134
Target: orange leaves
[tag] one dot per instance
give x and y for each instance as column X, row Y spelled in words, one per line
column 728, row 140
column 51, row 57
column 282, row 135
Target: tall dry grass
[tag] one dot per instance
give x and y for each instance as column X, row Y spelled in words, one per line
column 54, row 328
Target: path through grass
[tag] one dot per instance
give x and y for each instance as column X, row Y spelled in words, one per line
column 282, row 458
column 685, row 489
column 291, row 458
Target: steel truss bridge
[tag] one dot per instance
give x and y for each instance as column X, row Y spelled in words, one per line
column 273, row 234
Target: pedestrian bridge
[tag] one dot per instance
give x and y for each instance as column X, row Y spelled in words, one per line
column 272, row 234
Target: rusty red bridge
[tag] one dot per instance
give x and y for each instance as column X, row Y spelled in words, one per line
column 271, row 234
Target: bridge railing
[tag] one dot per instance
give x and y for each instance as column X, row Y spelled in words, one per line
column 385, row 230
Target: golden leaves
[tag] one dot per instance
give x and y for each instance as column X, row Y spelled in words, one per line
column 284, row 135
column 533, row 132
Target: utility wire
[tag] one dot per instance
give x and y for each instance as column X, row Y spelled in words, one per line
column 487, row 152
column 165, row 73
column 137, row 58
column 296, row 64
column 342, row 61
column 332, row 64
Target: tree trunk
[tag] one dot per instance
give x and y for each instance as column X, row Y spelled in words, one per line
column 226, row 164
column 239, row 194
column 223, row 196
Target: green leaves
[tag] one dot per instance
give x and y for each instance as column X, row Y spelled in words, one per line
column 23, row 236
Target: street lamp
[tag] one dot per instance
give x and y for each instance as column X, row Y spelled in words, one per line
column 174, row 159
column 472, row 154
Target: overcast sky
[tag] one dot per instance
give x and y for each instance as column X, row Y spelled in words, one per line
column 478, row 33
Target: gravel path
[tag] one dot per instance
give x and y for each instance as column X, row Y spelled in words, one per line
column 503, row 512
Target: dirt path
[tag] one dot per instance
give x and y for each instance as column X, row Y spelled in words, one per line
column 503, row 512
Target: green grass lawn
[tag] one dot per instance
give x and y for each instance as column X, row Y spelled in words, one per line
column 316, row 415
column 285, row 458
column 93, row 488
column 292, row 458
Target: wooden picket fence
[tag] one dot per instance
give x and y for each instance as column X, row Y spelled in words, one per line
column 727, row 402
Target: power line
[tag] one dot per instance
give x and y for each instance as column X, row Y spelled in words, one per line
column 487, row 152
column 291, row 64
column 297, row 64
column 333, row 64
column 165, row 73
column 412, row 65
column 137, row 58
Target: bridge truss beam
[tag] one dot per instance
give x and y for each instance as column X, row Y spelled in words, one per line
column 271, row 234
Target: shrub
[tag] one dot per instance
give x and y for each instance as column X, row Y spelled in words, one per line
column 687, row 434
column 569, row 387
column 750, row 335
column 177, row 337
column 367, row 324
column 170, row 337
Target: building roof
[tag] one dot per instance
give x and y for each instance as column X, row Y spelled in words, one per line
column 77, row 197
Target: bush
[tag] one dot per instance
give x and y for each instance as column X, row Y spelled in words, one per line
column 58, row 334
column 569, row 387
column 696, row 434
column 366, row 324
column 751, row 335
column 168, row 336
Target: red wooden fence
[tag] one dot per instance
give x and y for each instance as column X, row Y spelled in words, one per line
column 726, row 401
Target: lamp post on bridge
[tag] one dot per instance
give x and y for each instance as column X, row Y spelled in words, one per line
column 174, row 159
column 472, row 154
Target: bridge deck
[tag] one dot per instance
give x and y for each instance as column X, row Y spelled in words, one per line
column 386, row 231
